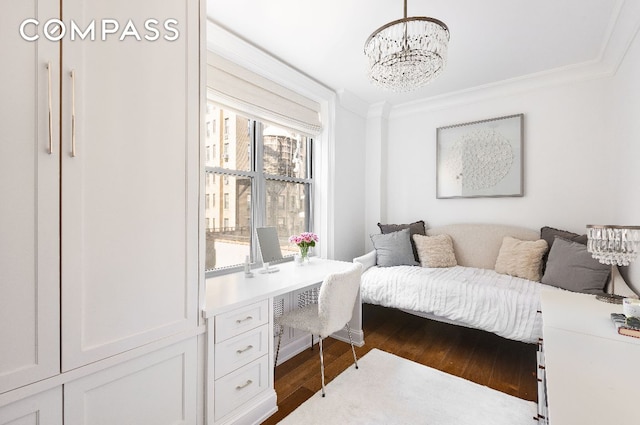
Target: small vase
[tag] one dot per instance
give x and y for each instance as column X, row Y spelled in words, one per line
column 304, row 254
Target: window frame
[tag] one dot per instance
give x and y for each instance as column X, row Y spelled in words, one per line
column 258, row 201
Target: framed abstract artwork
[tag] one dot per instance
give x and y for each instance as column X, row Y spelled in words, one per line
column 480, row 159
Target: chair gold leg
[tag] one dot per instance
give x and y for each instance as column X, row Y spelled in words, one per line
column 353, row 350
column 275, row 362
column 321, row 364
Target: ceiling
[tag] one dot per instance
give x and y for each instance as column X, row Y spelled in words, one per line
column 491, row 40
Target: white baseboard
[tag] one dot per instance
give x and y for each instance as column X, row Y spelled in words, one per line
column 293, row 348
column 356, row 335
column 255, row 412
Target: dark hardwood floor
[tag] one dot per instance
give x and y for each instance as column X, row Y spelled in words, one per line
column 482, row 357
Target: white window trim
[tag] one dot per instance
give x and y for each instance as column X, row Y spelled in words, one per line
column 222, row 42
column 258, row 192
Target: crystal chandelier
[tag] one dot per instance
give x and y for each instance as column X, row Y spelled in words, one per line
column 613, row 245
column 407, row 53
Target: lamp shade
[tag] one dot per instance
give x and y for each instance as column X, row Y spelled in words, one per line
column 613, row 244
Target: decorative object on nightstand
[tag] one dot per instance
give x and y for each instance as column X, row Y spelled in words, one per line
column 631, row 307
column 304, row 240
column 625, row 325
column 407, row 53
column 613, row 245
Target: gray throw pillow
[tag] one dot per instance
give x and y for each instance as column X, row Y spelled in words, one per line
column 549, row 234
column 570, row 266
column 393, row 249
column 416, row 228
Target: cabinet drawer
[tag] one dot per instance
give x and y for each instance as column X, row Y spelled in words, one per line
column 241, row 320
column 240, row 350
column 240, row 386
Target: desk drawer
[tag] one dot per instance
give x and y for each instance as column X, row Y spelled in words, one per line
column 240, row 386
column 240, row 350
column 241, row 320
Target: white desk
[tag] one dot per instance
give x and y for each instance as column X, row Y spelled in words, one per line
column 233, row 290
column 240, row 349
column 592, row 372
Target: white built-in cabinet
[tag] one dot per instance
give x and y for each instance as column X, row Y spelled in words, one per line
column 39, row 409
column 130, row 193
column 29, row 200
column 99, row 187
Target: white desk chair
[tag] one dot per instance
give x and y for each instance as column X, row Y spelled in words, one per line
column 333, row 312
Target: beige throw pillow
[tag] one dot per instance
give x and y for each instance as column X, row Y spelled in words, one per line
column 521, row 258
column 435, row 251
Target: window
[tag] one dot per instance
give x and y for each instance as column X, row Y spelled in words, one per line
column 209, row 154
column 225, row 152
column 267, row 180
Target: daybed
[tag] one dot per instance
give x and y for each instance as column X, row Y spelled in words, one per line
column 472, row 293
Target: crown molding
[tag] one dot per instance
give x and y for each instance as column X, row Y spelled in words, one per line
column 379, row 110
column 353, row 103
column 623, row 28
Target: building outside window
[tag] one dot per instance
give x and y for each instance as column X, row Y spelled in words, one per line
column 267, row 180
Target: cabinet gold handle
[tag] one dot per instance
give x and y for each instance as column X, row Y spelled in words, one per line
column 50, row 105
column 247, row 348
column 245, row 385
column 73, row 113
column 244, row 320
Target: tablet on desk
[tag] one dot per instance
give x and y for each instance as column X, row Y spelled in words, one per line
column 269, row 248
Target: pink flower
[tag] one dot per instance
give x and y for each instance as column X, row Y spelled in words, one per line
column 304, row 239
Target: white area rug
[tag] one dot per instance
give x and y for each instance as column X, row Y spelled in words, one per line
column 388, row 389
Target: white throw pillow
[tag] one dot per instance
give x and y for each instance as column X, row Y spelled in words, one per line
column 521, row 258
column 435, row 251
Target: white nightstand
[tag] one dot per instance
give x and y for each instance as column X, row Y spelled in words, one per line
column 592, row 373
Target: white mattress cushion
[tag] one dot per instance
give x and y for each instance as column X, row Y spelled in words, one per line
column 505, row 305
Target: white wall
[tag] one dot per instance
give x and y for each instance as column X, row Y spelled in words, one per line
column 581, row 144
column 349, row 193
column 565, row 139
column 624, row 138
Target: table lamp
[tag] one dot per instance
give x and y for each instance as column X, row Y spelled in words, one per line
column 613, row 245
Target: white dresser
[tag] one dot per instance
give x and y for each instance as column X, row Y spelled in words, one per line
column 240, row 337
column 240, row 356
column 592, row 373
